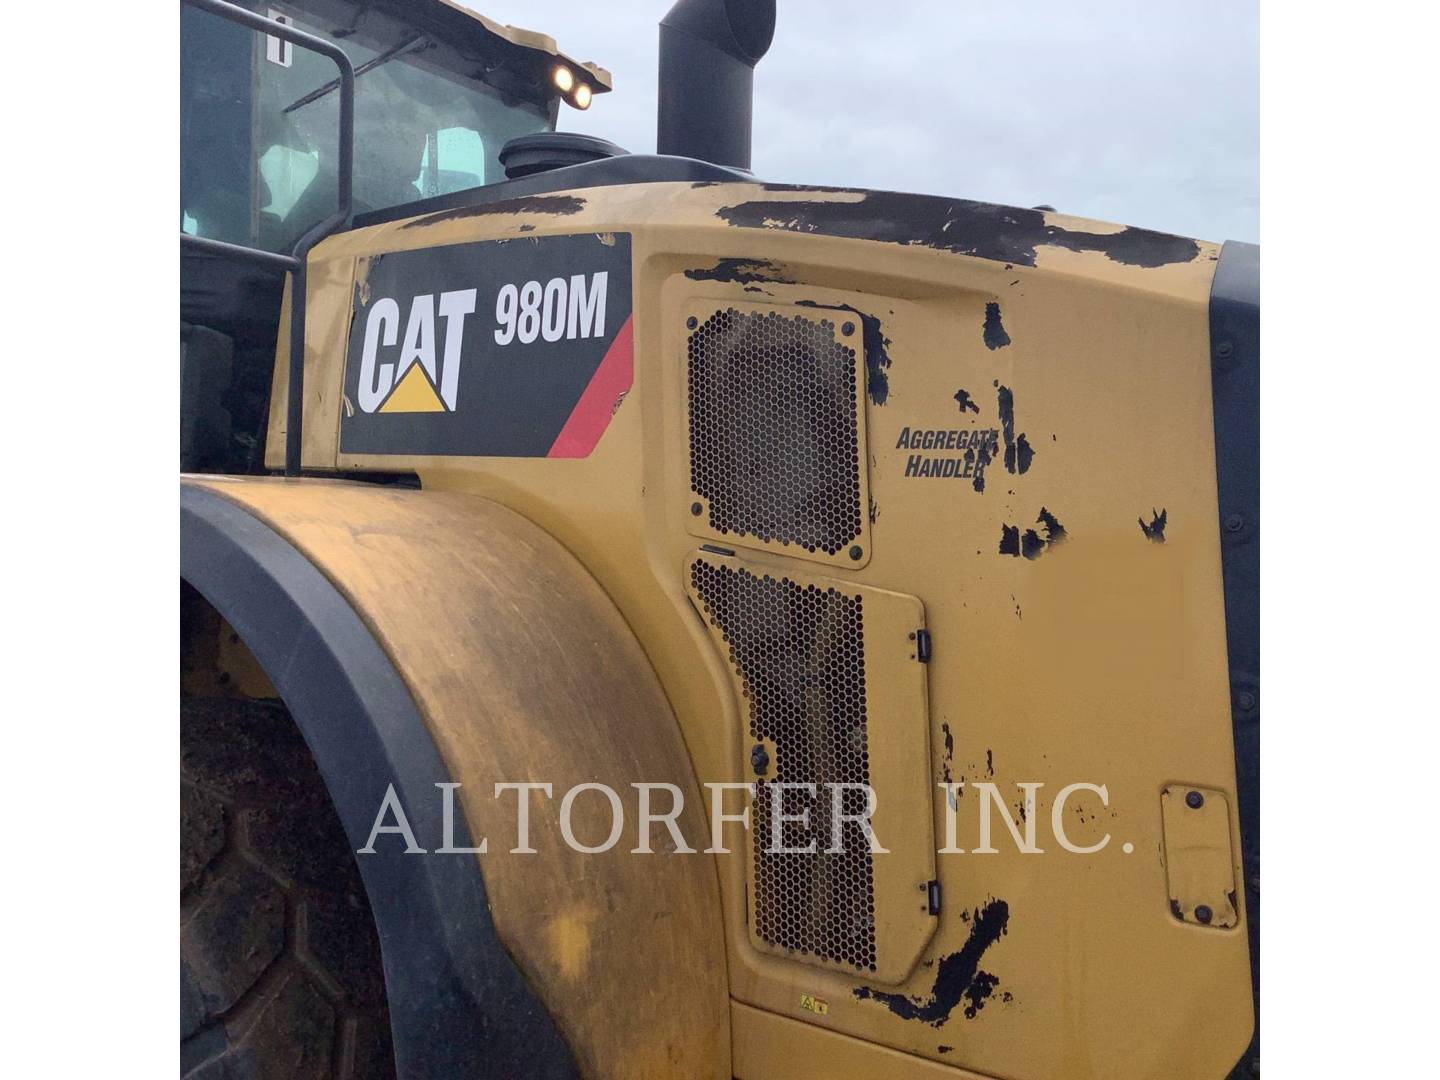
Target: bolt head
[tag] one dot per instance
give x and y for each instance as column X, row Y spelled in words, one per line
column 1234, row 523
column 696, row 509
column 857, row 552
column 1224, row 349
column 1203, row 914
column 848, row 329
column 691, row 323
column 1246, row 700
column 1194, row 800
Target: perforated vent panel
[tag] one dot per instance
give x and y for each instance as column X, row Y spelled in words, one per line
column 776, row 431
column 799, row 653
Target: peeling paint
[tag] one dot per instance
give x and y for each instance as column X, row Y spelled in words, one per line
column 877, row 356
column 1054, row 532
column 958, row 977
column 1018, row 452
column 533, row 204
column 1155, row 531
column 995, row 335
column 739, row 272
column 982, row 463
column 1024, row 454
column 1031, row 544
column 1003, row 234
column 946, row 776
column 966, row 402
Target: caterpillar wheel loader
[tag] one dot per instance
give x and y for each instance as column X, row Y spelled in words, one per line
column 570, row 537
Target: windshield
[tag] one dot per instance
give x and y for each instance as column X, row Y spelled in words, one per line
column 260, row 123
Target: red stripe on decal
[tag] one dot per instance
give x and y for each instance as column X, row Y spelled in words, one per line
column 592, row 413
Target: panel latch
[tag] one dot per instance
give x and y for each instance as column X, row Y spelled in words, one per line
column 1199, row 856
column 922, row 645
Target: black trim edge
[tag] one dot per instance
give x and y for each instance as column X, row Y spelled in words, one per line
column 1235, row 386
column 458, row 1004
column 604, row 172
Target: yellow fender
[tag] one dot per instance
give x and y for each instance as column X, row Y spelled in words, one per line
column 519, row 668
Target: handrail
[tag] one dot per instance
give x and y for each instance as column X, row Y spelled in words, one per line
column 208, row 246
column 295, row 261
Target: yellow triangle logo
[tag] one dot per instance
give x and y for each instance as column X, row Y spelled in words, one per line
column 413, row 393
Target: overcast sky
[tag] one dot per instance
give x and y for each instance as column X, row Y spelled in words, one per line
column 1142, row 113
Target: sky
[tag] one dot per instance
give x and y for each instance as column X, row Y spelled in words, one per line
column 1136, row 113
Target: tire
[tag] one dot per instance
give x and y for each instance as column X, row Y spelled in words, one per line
column 280, row 972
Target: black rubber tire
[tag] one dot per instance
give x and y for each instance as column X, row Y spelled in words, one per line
column 280, row 973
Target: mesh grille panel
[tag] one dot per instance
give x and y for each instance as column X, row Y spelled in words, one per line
column 774, row 442
column 800, row 654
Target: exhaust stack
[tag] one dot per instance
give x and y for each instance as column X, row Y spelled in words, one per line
column 708, row 53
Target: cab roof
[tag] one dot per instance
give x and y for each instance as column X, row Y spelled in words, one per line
column 457, row 24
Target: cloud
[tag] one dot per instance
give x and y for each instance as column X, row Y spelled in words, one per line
column 1140, row 113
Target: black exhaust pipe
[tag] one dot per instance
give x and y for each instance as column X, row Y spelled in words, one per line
column 708, row 53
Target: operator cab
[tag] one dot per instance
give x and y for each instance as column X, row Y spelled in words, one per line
column 439, row 90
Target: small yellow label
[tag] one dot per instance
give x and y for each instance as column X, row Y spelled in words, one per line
column 810, row 1003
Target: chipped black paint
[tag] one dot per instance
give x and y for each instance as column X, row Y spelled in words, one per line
column 1018, row 452
column 966, row 402
column 877, row 357
column 958, row 977
column 739, row 272
column 943, row 1049
column 533, row 204
column 949, row 742
column 978, row 992
column 982, row 463
column 1054, row 532
column 1155, row 531
column 1031, row 544
column 1009, row 540
column 995, row 335
column 1001, row 233
column 1023, row 454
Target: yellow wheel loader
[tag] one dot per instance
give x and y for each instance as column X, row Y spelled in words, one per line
column 639, row 620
